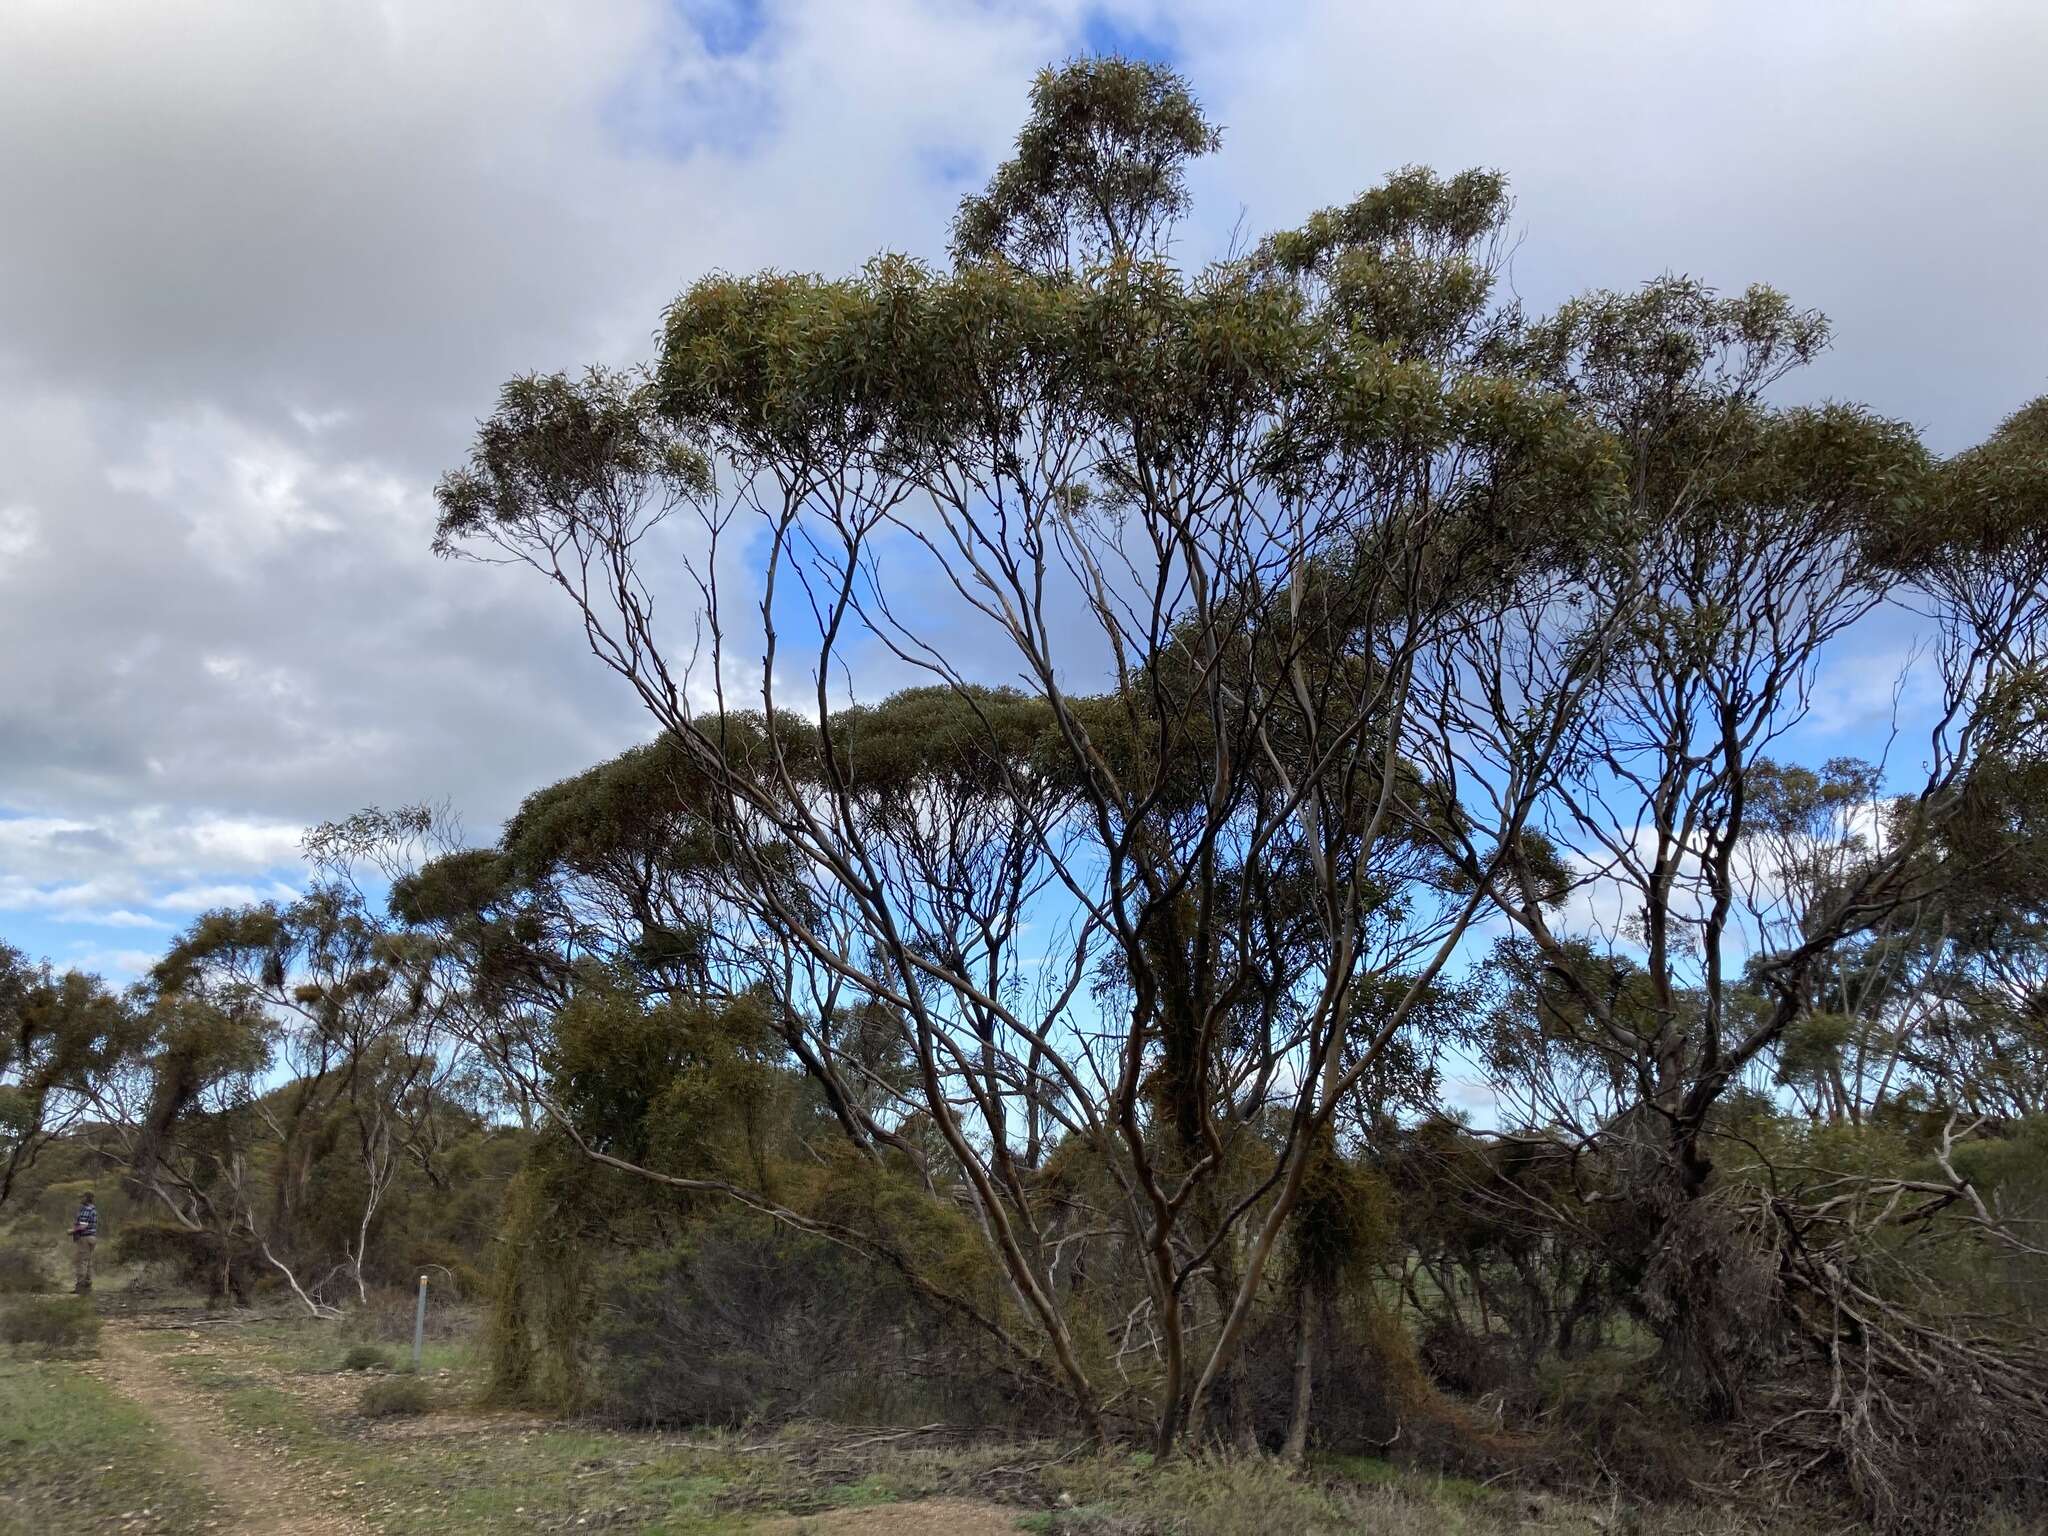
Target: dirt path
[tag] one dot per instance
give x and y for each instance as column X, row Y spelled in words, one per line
column 258, row 1493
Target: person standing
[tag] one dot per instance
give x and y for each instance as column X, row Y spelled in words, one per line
column 85, row 1237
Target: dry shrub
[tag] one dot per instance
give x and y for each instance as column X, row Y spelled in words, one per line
column 1924, row 1410
column 53, row 1323
column 388, row 1317
column 1618, row 1430
column 198, row 1258
column 394, row 1397
column 1712, row 1294
column 366, row 1357
column 745, row 1320
column 23, row 1271
column 1927, row 1437
column 1372, row 1395
column 450, row 1274
column 1466, row 1362
column 1966, row 1454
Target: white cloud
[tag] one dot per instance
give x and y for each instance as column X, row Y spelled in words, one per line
column 118, row 917
column 112, row 964
column 205, row 898
column 243, row 495
column 224, row 842
column 20, row 534
column 120, row 871
column 313, row 423
column 266, row 265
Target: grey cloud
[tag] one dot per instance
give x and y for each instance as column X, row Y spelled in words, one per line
column 265, row 266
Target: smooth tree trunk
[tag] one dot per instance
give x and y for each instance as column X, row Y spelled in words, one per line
column 1306, row 1315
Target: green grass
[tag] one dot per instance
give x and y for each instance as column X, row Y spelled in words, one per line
column 543, row 1476
column 450, row 1474
column 296, row 1345
column 546, row 1475
column 864, row 1493
column 1375, row 1472
column 537, row 1474
column 77, row 1457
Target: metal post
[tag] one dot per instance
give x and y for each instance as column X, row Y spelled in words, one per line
column 419, row 1325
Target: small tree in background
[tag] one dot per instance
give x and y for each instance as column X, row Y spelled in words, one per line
column 63, row 1038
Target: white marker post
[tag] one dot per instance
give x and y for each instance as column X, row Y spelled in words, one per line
column 419, row 1326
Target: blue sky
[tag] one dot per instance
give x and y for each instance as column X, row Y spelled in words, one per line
column 266, row 265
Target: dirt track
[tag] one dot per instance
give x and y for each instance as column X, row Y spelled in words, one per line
column 257, row 1490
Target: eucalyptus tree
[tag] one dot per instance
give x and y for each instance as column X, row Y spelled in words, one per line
column 63, row 1038
column 344, row 1011
column 1167, row 551
column 1673, row 852
column 1981, row 570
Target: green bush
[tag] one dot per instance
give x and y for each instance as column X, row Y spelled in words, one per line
column 394, row 1397
column 23, row 1272
column 51, row 1322
column 366, row 1357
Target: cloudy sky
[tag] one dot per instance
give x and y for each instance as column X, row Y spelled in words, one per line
column 263, row 263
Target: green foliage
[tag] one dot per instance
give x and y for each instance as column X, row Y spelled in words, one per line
column 744, row 1320
column 1099, row 172
column 62, row 1036
column 1812, row 1047
column 366, row 1357
column 1345, row 1223
column 550, row 432
column 537, row 1337
column 1352, row 442
column 199, row 1257
column 1994, row 505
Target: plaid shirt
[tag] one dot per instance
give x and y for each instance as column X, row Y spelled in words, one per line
column 88, row 1223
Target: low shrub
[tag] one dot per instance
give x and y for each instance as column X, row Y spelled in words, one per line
column 23, row 1272
column 51, row 1323
column 366, row 1357
column 394, row 1397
